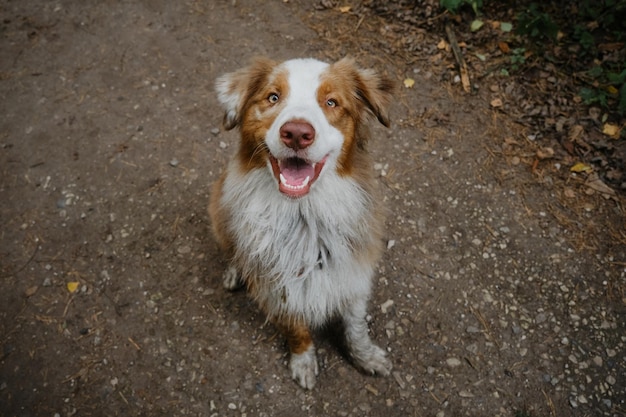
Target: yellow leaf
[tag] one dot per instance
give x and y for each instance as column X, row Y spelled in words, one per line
column 409, row 82
column 611, row 130
column 345, row 9
column 612, row 90
column 72, row 286
column 581, row 167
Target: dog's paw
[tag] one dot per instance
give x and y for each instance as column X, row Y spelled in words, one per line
column 373, row 360
column 231, row 279
column 304, row 368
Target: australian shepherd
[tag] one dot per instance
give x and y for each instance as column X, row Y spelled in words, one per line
column 296, row 210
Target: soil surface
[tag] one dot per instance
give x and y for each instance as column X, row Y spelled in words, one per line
column 502, row 291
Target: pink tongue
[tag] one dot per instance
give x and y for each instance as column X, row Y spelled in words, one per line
column 295, row 170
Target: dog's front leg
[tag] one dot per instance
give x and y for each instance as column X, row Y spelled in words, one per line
column 303, row 363
column 366, row 355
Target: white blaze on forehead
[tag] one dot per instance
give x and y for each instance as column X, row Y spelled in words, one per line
column 304, row 77
column 304, row 80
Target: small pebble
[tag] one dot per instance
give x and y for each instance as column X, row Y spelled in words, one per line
column 453, row 362
column 184, row 250
column 384, row 307
column 174, row 162
column 472, row 329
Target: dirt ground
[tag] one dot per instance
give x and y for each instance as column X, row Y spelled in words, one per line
column 502, row 291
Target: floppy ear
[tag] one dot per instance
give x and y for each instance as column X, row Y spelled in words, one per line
column 376, row 91
column 236, row 88
column 373, row 90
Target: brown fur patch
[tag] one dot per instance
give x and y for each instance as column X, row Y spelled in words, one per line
column 258, row 114
column 298, row 336
column 219, row 219
column 355, row 92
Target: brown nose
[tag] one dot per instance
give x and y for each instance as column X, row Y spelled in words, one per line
column 297, row 135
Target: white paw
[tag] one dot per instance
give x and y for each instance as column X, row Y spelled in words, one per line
column 231, row 280
column 373, row 360
column 304, row 368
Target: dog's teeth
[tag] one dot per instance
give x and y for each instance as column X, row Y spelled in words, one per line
column 283, row 181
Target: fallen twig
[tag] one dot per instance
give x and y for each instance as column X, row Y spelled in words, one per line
column 465, row 80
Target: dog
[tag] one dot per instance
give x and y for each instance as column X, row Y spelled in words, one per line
column 296, row 210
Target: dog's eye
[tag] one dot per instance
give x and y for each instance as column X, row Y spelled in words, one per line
column 273, row 98
column 331, row 102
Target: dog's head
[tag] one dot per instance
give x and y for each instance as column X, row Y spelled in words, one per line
column 302, row 117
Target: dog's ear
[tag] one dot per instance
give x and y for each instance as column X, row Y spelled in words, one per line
column 235, row 89
column 372, row 89
column 377, row 92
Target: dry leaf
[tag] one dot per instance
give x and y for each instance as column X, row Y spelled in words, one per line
column 595, row 183
column 442, row 45
column 569, row 193
column 345, row 9
column 504, row 47
column 581, row 167
column 545, row 153
column 510, row 141
column 72, row 286
column 611, row 130
column 409, row 82
column 30, row 291
column 496, row 102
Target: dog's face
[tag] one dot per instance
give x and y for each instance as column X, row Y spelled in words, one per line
column 302, row 117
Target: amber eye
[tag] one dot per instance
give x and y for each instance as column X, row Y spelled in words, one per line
column 331, row 103
column 273, row 98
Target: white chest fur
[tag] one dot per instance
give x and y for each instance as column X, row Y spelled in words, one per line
column 303, row 254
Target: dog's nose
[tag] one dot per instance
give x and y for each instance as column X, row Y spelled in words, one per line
column 297, row 134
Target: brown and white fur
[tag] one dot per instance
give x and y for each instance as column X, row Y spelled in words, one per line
column 296, row 209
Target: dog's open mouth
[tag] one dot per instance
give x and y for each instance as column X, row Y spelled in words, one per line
column 296, row 175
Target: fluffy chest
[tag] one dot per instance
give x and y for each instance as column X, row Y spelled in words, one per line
column 307, row 256
column 283, row 237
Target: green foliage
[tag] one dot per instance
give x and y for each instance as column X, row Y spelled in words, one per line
column 593, row 96
column 453, row 6
column 518, row 58
column 536, row 24
column 607, row 85
column 587, row 22
column 584, row 38
column 609, row 14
